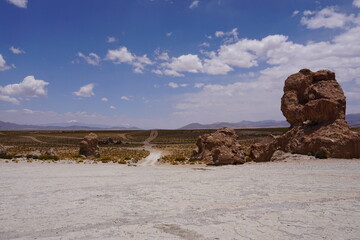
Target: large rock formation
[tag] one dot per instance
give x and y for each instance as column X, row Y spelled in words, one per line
column 89, row 146
column 219, row 148
column 314, row 104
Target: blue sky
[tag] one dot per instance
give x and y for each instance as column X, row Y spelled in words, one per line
column 163, row 63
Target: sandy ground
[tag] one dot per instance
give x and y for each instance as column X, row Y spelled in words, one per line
column 282, row 200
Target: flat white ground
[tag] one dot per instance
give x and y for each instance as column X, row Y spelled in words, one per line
column 317, row 199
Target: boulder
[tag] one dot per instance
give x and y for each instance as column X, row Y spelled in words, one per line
column 219, row 148
column 89, row 146
column 34, row 154
column 314, row 104
column 50, row 152
column 3, row 152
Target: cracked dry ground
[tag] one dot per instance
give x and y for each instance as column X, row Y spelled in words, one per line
column 317, row 199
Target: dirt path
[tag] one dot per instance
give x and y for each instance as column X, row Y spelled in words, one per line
column 34, row 139
column 155, row 154
column 123, row 136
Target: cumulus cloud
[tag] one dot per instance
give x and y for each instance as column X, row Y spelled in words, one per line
column 85, row 91
column 92, row 58
column 326, row 18
column 104, row 99
column 9, row 99
column 125, row 98
column 112, row 107
column 123, row 55
column 15, row 50
column 169, row 34
column 111, row 39
column 3, row 65
column 19, row 3
column 177, row 85
column 194, row 4
column 356, row 3
column 276, row 57
column 28, row 88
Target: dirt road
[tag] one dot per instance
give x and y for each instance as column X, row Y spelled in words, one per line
column 155, row 154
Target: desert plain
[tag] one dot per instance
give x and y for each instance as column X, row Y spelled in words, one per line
column 299, row 197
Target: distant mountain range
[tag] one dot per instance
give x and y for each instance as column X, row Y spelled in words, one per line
column 60, row 126
column 352, row 119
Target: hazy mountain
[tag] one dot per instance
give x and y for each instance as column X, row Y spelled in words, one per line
column 242, row 124
column 352, row 119
column 61, row 126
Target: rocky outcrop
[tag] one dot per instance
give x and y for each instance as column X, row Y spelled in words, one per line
column 89, row 146
column 314, row 104
column 219, row 148
column 2, row 151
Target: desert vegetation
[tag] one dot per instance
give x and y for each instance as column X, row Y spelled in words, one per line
column 178, row 145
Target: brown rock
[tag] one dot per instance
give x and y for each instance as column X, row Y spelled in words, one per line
column 89, row 146
column 220, row 148
column 2, row 151
column 50, row 152
column 314, row 104
column 315, row 97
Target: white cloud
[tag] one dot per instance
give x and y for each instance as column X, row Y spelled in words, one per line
column 3, row 65
column 125, row 98
column 85, row 91
column 356, row 3
column 219, row 34
column 19, row 3
column 169, row 34
column 9, row 99
column 258, row 93
column 28, row 88
column 112, row 107
column 296, row 12
column 123, row 55
column 162, row 56
column 185, row 63
column 230, row 36
column 92, row 59
column 104, row 99
column 194, row 4
column 176, row 85
column 111, row 39
column 326, row 18
column 15, row 50
column 204, row 44
column 199, row 85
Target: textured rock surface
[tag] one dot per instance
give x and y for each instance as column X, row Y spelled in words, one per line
column 2, row 151
column 314, row 104
column 89, row 146
column 313, row 97
column 220, row 148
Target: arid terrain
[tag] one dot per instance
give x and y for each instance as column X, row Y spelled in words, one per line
column 75, row 198
column 302, row 199
column 173, row 146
